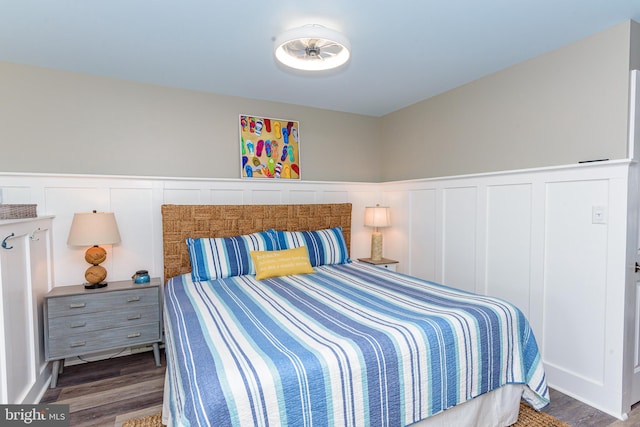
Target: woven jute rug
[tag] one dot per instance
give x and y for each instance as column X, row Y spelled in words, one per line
column 528, row 417
column 531, row 418
column 150, row 421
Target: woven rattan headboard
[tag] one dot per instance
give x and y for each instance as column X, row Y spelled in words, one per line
column 182, row 221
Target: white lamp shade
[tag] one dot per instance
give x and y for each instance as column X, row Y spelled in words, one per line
column 377, row 216
column 93, row 228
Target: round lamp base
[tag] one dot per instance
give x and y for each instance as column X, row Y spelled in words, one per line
column 95, row 274
column 95, row 285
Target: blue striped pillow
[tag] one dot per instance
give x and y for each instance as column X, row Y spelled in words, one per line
column 324, row 246
column 217, row 258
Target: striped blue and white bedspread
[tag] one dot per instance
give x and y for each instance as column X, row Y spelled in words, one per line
column 350, row 345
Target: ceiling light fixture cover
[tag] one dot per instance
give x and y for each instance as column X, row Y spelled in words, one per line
column 312, row 48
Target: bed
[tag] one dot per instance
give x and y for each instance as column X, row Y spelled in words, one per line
column 343, row 343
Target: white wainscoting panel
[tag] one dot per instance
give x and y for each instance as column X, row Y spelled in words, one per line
column 529, row 237
column 303, row 196
column 25, row 277
column 227, row 197
column 396, row 240
column 361, row 235
column 460, row 237
column 423, row 237
column 575, row 272
column 335, row 196
column 526, row 236
column 42, row 282
column 17, row 194
column 174, row 196
column 265, row 197
column 636, row 342
column 135, row 208
column 508, row 244
column 136, row 203
column 16, row 297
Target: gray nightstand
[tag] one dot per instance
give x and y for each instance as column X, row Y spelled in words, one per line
column 80, row 321
column 389, row 264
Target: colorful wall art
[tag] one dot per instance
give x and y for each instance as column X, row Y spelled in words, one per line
column 269, row 148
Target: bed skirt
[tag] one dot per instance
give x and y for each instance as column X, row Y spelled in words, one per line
column 497, row 408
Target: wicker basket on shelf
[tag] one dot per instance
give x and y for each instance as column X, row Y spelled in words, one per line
column 17, row 211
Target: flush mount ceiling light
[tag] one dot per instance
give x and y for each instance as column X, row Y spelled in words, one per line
column 312, row 48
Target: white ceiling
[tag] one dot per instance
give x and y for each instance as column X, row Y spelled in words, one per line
column 403, row 51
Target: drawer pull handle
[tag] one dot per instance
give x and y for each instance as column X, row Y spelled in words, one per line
column 134, row 335
column 133, row 299
column 79, row 325
column 134, row 317
column 77, row 304
column 78, row 344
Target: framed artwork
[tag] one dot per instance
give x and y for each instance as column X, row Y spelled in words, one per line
column 269, row 148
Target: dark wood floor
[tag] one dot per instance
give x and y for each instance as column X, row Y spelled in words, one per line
column 109, row 392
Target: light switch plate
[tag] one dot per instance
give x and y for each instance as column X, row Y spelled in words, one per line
column 598, row 215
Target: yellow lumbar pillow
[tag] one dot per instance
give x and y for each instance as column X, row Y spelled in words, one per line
column 281, row 263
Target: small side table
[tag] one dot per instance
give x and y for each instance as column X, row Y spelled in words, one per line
column 389, row 264
column 81, row 321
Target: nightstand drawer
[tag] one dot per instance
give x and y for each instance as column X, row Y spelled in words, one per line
column 389, row 264
column 87, row 322
column 90, row 342
column 106, row 301
column 391, row 267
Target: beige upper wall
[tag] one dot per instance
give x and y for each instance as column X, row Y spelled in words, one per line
column 61, row 122
column 559, row 108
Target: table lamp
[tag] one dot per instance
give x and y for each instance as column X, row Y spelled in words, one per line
column 93, row 229
column 377, row 216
